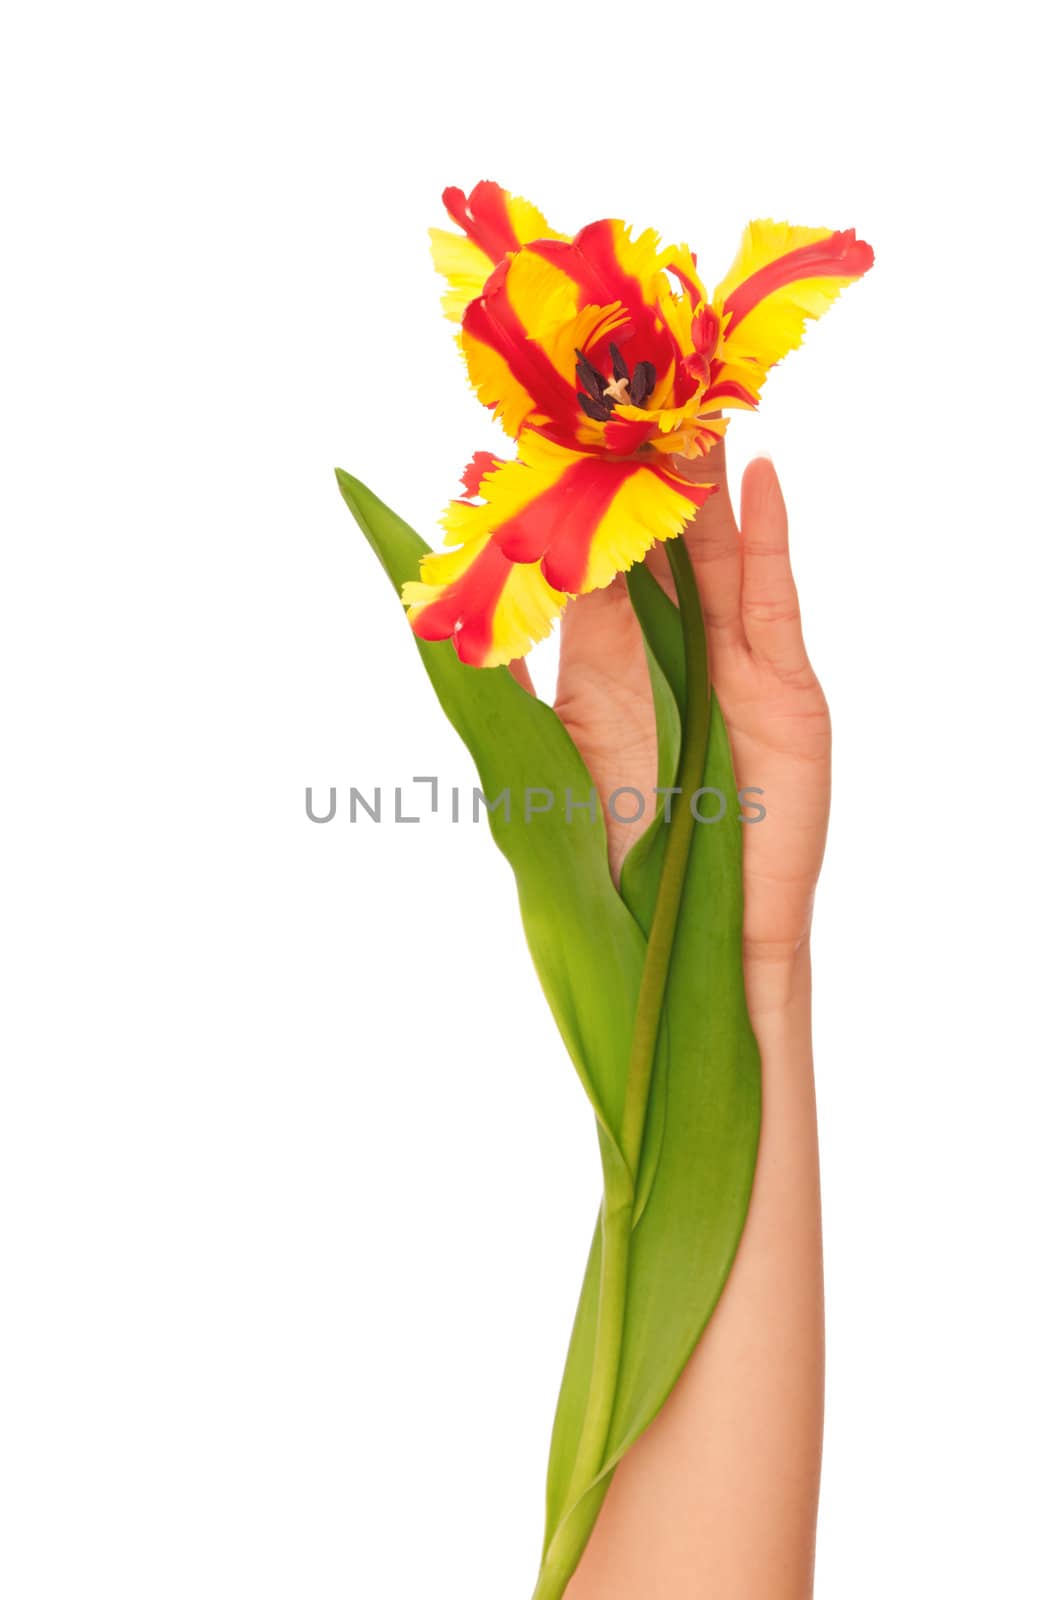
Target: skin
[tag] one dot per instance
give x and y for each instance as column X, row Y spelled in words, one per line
column 718, row 1499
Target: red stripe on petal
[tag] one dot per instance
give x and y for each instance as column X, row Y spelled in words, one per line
column 705, row 330
column 579, row 511
column 730, row 390
column 624, row 434
column 688, row 283
column 697, row 369
column 493, row 321
column 591, row 262
column 842, row 255
column 696, row 493
column 559, row 523
column 465, row 610
column 484, row 216
column 481, row 464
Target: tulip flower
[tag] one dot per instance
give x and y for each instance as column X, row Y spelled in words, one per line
column 607, row 362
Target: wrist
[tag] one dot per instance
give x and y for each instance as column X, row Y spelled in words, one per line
column 778, row 977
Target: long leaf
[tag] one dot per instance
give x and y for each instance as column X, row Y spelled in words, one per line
column 662, row 638
column 587, row 948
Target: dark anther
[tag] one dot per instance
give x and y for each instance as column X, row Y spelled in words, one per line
column 598, row 409
column 619, row 364
column 643, row 382
column 589, row 376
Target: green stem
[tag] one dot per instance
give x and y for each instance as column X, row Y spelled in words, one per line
column 617, row 1211
column 680, row 832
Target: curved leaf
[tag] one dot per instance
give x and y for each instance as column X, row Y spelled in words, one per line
column 662, row 639
column 587, row 948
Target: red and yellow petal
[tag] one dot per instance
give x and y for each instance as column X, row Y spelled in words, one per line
column 483, row 462
column 648, row 502
column 628, row 429
column 693, row 438
column 558, row 522
column 465, row 267
column 782, row 278
column 494, row 223
column 671, row 430
column 493, row 378
column 611, row 267
column 506, row 491
column 686, row 310
column 496, row 220
column 520, row 339
column 682, row 263
column 492, row 608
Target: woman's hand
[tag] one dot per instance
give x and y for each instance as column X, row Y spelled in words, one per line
column 719, row 1495
column 773, row 706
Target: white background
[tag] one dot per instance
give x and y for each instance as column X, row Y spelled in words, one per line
column 296, row 1181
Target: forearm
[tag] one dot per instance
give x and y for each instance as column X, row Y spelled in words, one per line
column 718, row 1499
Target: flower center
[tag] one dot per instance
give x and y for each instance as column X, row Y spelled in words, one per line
column 600, row 394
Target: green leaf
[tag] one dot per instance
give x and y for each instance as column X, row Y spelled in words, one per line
column 663, row 643
column 684, row 1246
column 587, row 948
column 662, row 635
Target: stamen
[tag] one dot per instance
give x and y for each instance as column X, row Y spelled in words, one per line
column 589, row 376
column 623, row 389
column 599, row 410
column 643, row 382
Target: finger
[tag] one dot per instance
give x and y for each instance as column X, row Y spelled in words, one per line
column 519, row 669
column 604, row 700
column 715, row 550
column 771, row 616
column 600, row 635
